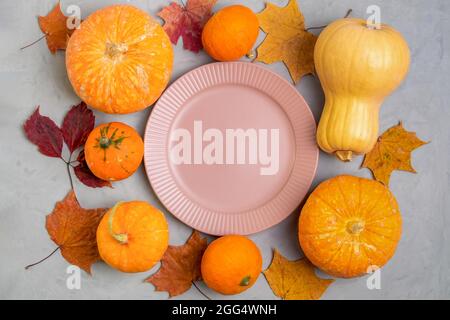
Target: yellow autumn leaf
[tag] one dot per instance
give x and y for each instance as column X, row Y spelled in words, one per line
column 392, row 152
column 287, row 40
column 295, row 280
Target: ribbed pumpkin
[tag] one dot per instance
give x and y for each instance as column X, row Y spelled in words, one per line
column 120, row 60
column 349, row 224
column 132, row 236
column 230, row 33
column 113, row 151
column 358, row 67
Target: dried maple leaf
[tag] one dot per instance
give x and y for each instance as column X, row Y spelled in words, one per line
column 44, row 133
column 187, row 21
column 295, row 280
column 54, row 26
column 392, row 152
column 287, row 40
column 180, row 266
column 85, row 175
column 74, row 229
column 77, row 125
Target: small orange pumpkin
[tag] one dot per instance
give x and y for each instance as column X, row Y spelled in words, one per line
column 231, row 264
column 119, row 60
column 348, row 225
column 132, row 236
column 230, row 33
column 113, row 151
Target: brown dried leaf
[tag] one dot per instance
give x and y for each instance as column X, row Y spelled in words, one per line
column 54, row 26
column 180, row 266
column 74, row 230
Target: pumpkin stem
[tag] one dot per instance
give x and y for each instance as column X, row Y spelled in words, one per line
column 245, row 281
column 115, row 50
column 104, row 142
column 344, row 155
column 355, row 227
column 120, row 237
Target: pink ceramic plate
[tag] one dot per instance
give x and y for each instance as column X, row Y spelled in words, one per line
column 230, row 148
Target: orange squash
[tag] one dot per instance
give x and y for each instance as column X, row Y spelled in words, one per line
column 231, row 264
column 120, row 60
column 230, row 33
column 113, row 151
column 348, row 225
column 132, row 236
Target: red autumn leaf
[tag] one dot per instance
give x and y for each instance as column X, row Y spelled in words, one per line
column 180, row 266
column 74, row 230
column 54, row 26
column 85, row 175
column 44, row 133
column 77, row 125
column 187, row 21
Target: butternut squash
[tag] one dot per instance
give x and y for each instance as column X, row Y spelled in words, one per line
column 358, row 66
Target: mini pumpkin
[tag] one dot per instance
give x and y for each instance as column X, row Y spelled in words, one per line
column 230, row 33
column 349, row 225
column 113, row 151
column 119, row 60
column 231, row 264
column 132, row 236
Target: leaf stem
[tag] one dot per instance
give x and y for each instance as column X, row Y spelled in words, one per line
column 36, row 41
column 42, row 260
column 68, row 164
column 202, row 293
column 349, row 11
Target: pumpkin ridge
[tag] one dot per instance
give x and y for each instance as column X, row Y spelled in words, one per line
column 370, row 211
column 338, row 214
column 335, row 253
column 345, row 200
column 369, row 222
column 349, row 264
column 370, row 243
column 319, row 233
column 380, row 234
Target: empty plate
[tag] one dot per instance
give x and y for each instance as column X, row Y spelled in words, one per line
column 230, row 148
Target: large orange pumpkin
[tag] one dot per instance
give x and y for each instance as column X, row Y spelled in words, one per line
column 350, row 225
column 132, row 236
column 113, row 151
column 120, row 60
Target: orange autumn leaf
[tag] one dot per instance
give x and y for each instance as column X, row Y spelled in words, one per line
column 54, row 26
column 74, row 230
column 287, row 40
column 180, row 266
column 295, row 280
column 392, row 152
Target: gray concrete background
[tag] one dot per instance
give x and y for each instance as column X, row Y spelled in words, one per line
column 31, row 183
